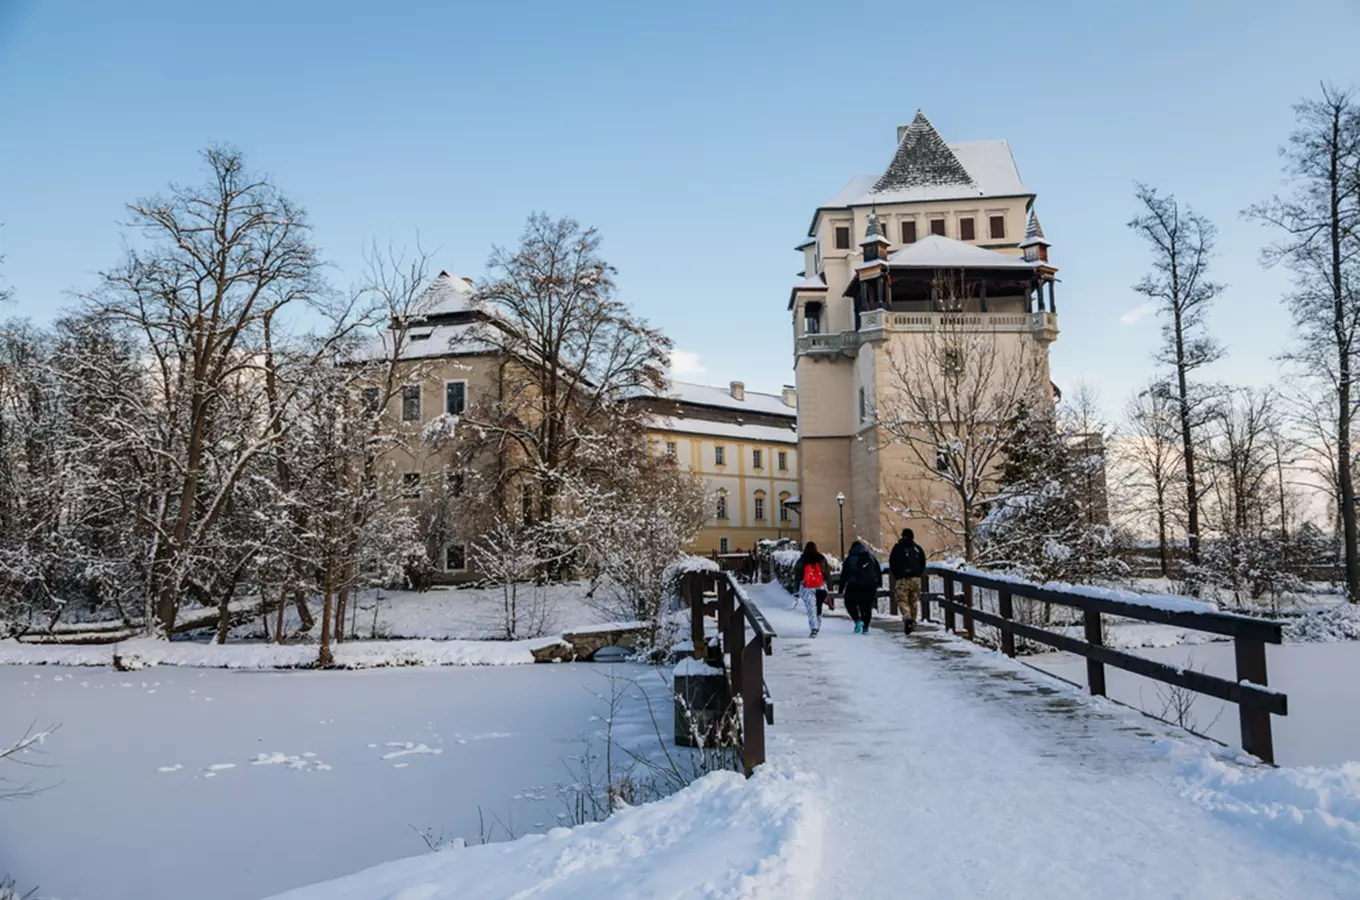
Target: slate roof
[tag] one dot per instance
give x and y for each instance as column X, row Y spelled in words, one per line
column 1034, row 232
column 922, row 159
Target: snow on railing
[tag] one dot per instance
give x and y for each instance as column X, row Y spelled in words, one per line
column 1256, row 701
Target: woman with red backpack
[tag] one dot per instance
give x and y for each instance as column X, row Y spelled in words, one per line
column 813, row 576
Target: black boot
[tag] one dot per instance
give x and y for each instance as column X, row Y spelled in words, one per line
column 908, row 625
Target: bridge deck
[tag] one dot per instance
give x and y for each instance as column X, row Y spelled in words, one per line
column 952, row 772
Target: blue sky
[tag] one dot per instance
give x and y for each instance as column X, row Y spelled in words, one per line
column 698, row 137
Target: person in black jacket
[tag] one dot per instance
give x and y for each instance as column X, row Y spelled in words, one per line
column 907, row 562
column 861, row 574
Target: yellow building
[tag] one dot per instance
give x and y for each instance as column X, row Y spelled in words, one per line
column 744, row 446
column 874, row 263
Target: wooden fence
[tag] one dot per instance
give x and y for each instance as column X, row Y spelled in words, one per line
column 1256, row 702
column 718, row 594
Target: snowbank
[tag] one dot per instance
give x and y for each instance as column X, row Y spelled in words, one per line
column 1316, row 809
column 1330, row 623
column 725, row 836
column 351, row 655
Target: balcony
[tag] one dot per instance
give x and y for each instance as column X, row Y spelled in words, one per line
column 878, row 324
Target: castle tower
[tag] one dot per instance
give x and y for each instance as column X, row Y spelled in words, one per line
column 950, row 240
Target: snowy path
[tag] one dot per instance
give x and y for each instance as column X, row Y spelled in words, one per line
column 952, row 773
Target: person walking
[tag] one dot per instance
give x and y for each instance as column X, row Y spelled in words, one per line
column 861, row 575
column 907, row 562
column 813, row 576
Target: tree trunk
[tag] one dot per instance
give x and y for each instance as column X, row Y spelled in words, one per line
column 305, row 617
column 341, row 603
column 278, row 621
column 1161, row 544
column 1345, row 482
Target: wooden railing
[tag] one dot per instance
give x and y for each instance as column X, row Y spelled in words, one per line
column 718, row 594
column 1256, row 702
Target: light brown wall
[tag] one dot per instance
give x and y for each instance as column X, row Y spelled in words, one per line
column 825, row 470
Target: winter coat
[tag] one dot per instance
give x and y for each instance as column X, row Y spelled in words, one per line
column 907, row 560
column 861, row 573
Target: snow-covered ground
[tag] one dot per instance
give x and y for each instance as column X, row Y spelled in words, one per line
column 1323, row 725
column 174, row 783
column 927, row 767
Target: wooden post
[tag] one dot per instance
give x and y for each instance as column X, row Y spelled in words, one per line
column 1003, row 601
column 753, row 706
column 1255, row 722
column 734, row 637
column 968, row 617
column 695, row 589
column 1095, row 670
column 948, row 610
column 925, row 598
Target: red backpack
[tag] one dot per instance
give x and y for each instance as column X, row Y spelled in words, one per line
column 812, row 576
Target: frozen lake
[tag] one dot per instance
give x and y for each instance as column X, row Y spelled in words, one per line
column 156, row 792
column 1323, row 725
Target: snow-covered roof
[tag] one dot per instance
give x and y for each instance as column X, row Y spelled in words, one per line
column 937, row 251
column 427, row 341
column 703, row 427
column 754, row 401
column 811, row 283
column 446, row 295
column 806, row 242
column 1034, row 233
column 925, row 167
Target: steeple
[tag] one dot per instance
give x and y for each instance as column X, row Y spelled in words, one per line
column 875, row 244
column 922, row 159
column 1034, row 244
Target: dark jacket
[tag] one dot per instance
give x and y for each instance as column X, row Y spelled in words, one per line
column 907, row 560
column 861, row 572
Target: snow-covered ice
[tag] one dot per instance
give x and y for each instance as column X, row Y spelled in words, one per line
column 130, row 771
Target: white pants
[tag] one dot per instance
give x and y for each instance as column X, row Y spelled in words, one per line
column 809, row 597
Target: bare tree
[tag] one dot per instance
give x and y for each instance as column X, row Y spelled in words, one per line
column 950, row 403
column 571, row 353
column 1150, row 453
column 1319, row 227
column 1182, row 243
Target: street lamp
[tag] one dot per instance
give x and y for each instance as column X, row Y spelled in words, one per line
column 840, row 501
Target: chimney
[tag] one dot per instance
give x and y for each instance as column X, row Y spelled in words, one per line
column 790, row 396
column 738, row 390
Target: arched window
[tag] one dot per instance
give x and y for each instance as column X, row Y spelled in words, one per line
column 784, row 506
column 722, row 505
column 759, row 506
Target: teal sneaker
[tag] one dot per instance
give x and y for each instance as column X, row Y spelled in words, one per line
column 859, row 626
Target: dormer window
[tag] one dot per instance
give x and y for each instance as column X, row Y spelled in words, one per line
column 812, row 318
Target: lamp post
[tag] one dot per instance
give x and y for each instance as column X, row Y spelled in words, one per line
column 840, row 501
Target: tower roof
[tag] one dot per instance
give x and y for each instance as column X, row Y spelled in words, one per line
column 872, row 233
column 922, row 159
column 1034, row 233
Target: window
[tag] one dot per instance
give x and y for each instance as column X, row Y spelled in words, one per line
column 410, row 403
column 783, row 507
column 722, row 545
column 757, row 459
column 455, row 397
column 909, row 232
column 937, row 227
column 670, row 449
column 863, row 406
column 966, row 230
column 720, row 455
column 942, row 461
column 760, row 508
column 455, row 558
column 783, row 461
column 410, row 485
column 842, row 237
column 812, row 318
column 997, row 225
column 722, row 506
column 453, row 483
column 370, row 400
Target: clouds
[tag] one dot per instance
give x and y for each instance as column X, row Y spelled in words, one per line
column 685, row 364
column 1138, row 313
